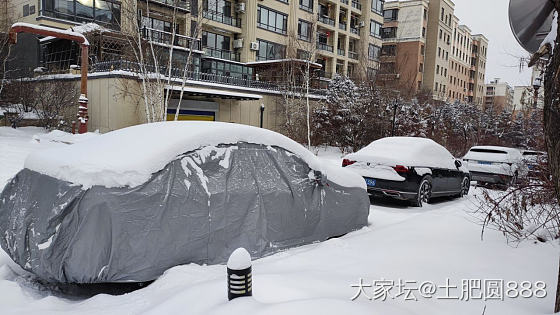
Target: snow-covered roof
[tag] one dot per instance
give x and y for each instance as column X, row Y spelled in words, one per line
column 129, row 156
column 47, row 28
column 406, row 151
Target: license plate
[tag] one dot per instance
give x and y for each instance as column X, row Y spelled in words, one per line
column 370, row 182
column 484, row 162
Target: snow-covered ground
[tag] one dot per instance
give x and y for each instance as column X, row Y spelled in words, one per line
column 438, row 242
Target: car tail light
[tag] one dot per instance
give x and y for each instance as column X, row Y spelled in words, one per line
column 401, row 169
column 347, row 162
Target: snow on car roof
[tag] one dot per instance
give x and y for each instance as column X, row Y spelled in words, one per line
column 407, row 151
column 129, row 156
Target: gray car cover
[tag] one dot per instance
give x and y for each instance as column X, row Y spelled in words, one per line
column 198, row 209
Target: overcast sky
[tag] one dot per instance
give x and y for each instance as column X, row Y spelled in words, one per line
column 490, row 17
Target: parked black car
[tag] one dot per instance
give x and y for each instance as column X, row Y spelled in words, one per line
column 409, row 168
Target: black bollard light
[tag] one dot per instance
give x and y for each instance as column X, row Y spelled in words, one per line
column 239, row 274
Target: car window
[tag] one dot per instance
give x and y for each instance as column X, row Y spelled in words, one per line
column 488, row 151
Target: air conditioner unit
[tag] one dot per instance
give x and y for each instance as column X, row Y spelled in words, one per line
column 238, row 43
column 240, row 7
column 361, row 24
column 254, row 46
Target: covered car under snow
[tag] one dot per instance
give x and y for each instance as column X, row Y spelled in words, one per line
column 409, row 168
column 129, row 204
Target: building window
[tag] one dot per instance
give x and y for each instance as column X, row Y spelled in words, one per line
column 442, row 13
column 421, row 68
column 391, row 15
column 425, row 14
column 423, row 32
column 215, row 41
column 271, row 20
column 306, row 5
column 377, row 6
column 156, row 24
column 304, row 30
column 437, row 69
column 389, row 32
column 389, row 50
column 219, row 67
column 270, row 51
column 375, row 29
column 422, row 50
column 373, row 52
column 102, row 11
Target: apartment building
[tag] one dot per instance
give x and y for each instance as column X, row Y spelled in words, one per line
column 239, row 50
column 450, row 62
column 499, row 96
column 477, row 76
column 404, row 45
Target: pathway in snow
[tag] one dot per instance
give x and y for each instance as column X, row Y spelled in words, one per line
column 433, row 243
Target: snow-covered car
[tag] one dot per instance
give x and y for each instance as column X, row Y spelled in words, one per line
column 129, row 204
column 535, row 160
column 495, row 165
column 409, row 168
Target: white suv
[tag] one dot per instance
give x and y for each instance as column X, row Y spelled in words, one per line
column 495, row 165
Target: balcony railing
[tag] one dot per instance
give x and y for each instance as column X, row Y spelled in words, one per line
column 326, row 47
column 340, row 52
column 342, row 26
column 180, row 4
column 134, row 68
column 162, row 37
column 344, row 1
column 356, row 5
column 325, row 19
column 220, row 17
column 354, row 30
column 353, row 55
column 222, row 54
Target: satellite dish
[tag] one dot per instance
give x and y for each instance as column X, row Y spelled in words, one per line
column 530, row 21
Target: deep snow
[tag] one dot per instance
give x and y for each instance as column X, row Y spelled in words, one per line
column 432, row 243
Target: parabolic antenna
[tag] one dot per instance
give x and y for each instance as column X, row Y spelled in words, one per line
column 530, row 21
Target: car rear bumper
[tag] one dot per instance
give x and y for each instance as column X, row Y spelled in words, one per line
column 490, row 178
column 401, row 195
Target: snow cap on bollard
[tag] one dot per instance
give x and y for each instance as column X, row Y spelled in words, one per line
column 239, row 274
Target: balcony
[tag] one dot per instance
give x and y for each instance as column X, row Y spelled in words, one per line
column 180, row 4
column 325, row 20
column 221, row 54
column 162, row 37
column 344, row 1
column 197, row 76
column 356, row 5
column 340, row 52
column 354, row 30
column 342, row 26
column 220, row 17
column 353, row 55
column 325, row 47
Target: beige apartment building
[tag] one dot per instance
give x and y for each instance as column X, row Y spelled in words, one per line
column 450, row 62
column 499, row 96
column 404, row 45
column 237, row 57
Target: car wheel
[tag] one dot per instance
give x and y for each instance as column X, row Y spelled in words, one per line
column 424, row 192
column 465, row 186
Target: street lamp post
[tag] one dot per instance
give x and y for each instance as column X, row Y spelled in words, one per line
column 395, row 104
